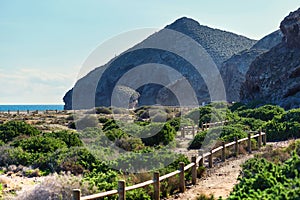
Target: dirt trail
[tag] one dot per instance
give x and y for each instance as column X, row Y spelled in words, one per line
column 220, row 180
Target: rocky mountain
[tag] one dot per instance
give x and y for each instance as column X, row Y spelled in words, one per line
column 274, row 77
column 220, row 45
column 234, row 69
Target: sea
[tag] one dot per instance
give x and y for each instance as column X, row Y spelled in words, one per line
column 5, row 108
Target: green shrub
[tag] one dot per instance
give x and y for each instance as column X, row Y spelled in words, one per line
column 15, row 156
column 72, row 125
column 76, row 160
column 1, row 191
column 138, row 194
column 40, row 144
column 225, row 133
column 70, row 138
column 164, row 136
column 178, row 122
column 265, row 113
column 109, row 125
column 13, row 129
column 198, row 140
column 103, row 120
column 277, row 131
column 238, row 106
column 115, row 134
column 252, row 123
column 207, row 114
column 102, row 181
column 130, row 143
column 263, row 179
column 291, row 116
column 103, row 110
column 86, row 121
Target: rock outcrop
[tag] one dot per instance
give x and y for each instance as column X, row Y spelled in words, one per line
column 235, row 68
column 220, row 45
column 290, row 27
column 274, row 77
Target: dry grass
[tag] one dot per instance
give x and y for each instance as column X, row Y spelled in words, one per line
column 57, row 187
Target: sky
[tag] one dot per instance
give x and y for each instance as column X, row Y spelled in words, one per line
column 43, row 44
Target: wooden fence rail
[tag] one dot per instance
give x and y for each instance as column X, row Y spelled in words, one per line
column 194, row 129
column 196, row 162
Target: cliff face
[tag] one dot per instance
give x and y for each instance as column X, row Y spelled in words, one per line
column 275, row 75
column 235, row 68
column 220, row 45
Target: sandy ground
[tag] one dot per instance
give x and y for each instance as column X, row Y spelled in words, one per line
column 221, row 179
column 14, row 185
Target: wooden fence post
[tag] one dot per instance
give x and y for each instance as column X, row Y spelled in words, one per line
column 265, row 139
column 249, row 143
column 201, row 161
column 236, row 149
column 121, row 190
column 156, row 185
column 259, row 139
column 27, row 111
column 223, row 152
column 194, row 170
column 182, row 132
column 18, row 112
column 76, row 194
column 181, row 178
column 8, row 111
column 193, row 131
column 210, row 159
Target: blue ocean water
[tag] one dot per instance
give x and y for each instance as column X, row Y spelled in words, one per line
column 5, row 108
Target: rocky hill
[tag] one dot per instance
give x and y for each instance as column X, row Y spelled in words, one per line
column 275, row 75
column 220, row 45
column 234, row 69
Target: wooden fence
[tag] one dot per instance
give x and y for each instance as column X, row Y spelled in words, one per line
column 194, row 129
column 34, row 112
column 195, row 163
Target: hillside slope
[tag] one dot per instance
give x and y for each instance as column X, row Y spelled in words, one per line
column 274, row 77
column 234, row 69
column 220, row 45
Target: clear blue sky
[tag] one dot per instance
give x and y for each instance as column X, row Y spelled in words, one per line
column 44, row 43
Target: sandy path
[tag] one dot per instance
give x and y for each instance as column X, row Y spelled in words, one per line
column 221, row 179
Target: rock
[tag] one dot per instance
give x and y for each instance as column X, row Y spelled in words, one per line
column 220, row 45
column 12, row 168
column 290, row 27
column 234, row 69
column 275, row 75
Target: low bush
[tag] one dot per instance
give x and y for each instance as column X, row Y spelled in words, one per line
column 13, row 129
column 40, row 144
column 103, row 110
column 164, row 136
column 86, row 122
column 265, row 113
column 225, row 133
column 70, row 138
column 264, row 179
